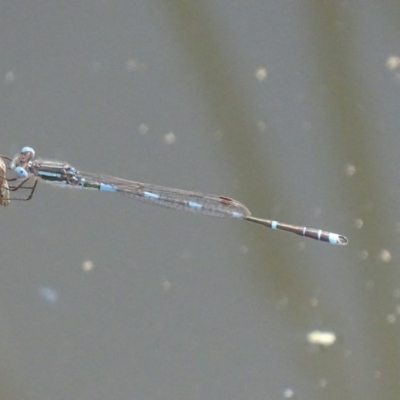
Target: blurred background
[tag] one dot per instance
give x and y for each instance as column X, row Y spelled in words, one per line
column 291, row 107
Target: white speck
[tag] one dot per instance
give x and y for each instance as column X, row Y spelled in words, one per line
column 385, row 256
column 143, row 129
column 322, row 338
column 322, row 383
column 261, row 126
column 288, row 393
column 10, row 77
column 170, row 138
column 391, row 318
column 314, row 302
column 363, row 255
column 393, row 62
column 87, row 265
column 359, row 223
column 48, row 294
column 261, row 74
column 166, row 285
column 350, row 170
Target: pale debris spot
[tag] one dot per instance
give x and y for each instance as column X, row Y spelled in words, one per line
column 170, row 138
column 322, row 383
column 393, row 62
column 314, row 302
column 261, row 74
column 322, row 338
column 261, row 126
column 10, row 77
column 167, row 285
column 359, row 223
column 391, row 318
column 143, row 129
column 288, row 393
column 363, row 255
column 87, row 266
column 48, row 294
column 135, row 65
column 385, row 256
column 350, row 170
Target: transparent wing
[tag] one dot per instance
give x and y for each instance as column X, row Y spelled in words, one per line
column 194, row 202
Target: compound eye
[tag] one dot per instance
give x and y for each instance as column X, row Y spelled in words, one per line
column 28, row 149
column 21, row 172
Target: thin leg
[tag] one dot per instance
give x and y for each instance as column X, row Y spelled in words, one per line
column 14, row 188
column 5, row 157
column 32, row 188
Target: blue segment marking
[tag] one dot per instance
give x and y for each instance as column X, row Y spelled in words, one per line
column 49, row 174
column 195, row 205
column 237, row 214
column 107, row 188
column 334, row 238
column 150, row 195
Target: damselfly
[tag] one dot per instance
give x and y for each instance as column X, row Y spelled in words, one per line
column 27, row 168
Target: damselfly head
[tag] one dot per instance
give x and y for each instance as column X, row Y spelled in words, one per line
column 27, row 153
column 22, row 159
